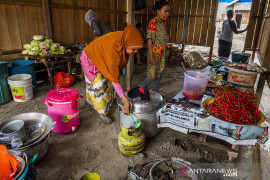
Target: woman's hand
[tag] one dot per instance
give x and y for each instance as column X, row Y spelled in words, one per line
column 151, row 59
column 126, row 105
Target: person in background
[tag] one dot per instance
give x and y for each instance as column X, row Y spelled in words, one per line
column 157, row 39
column 226, row 36
column 99, row 27
column 102, row 61
column 139, row 27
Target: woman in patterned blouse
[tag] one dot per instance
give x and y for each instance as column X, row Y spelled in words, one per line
column 157, row 38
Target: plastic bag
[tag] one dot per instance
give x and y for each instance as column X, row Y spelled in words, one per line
column 195, row 60
column 62, row 80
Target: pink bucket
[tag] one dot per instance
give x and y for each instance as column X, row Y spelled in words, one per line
column 64, row 108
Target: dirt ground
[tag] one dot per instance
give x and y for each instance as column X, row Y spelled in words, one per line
column 93, row 147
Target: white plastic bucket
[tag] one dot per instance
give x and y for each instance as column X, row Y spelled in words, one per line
column 21, row 87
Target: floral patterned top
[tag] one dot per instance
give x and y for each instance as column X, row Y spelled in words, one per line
column 157, row 31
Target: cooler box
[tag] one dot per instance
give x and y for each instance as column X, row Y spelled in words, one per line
column 64, row 108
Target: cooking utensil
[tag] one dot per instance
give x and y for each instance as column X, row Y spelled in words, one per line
column 206, row 107
column 41, row 148
column 33, row 122
column 14, row 129
column 145, row 111
column 136, row 124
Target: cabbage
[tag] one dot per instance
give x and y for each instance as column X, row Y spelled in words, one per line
column 38, row 37
column 25, row 51
column 54, row 46
column 62, row 48
column 32, row 52
column 35, row 49
column 53, row 52
column 61, row 52
column 46, row 37
column 49, row 41
column 44, row 45
column 27, row 46
column 34, row 43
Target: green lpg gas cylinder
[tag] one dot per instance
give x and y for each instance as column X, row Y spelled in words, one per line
column 131, row 141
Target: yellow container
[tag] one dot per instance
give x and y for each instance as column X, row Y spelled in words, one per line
column 131, row 141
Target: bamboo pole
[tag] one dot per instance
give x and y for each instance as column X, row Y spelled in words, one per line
column 131, row 20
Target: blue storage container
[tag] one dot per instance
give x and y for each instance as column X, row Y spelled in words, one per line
column 24, row 67
column 5, row 93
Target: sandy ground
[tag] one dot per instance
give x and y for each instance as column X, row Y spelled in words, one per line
column 93, row 147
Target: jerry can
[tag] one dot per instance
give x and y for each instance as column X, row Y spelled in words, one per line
column 131, row 141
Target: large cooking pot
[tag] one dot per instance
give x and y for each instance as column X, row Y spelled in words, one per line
column 145, row 111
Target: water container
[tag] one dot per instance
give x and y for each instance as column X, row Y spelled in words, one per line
column 24, row 67
column 5, row 95
column 195, row 85
column 21, row 87
column 64, row 108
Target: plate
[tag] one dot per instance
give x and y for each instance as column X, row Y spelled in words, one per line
column 242, row 71
column 207, row 109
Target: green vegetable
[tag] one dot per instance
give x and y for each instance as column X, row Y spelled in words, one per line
column 35, row 49
column 44, row 45
column 61, row 52
column 35, row 43
column 53, row 52
column 49, row 41
column 54, row 46
column 38, row 37
column 27, row 46
column 25, row 51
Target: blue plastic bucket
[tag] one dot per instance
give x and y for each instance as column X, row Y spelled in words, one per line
column 24, row 67
column 5, row 95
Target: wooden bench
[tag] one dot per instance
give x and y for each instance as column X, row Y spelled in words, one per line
column 51, row 61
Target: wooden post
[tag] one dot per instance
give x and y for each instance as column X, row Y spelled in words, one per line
column 47, row 17
column 213, row 33
column 131, row 20
column 256, row 163
column 266, row 63
column 186, row 18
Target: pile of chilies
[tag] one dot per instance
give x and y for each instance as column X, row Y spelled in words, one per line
column 236, row 106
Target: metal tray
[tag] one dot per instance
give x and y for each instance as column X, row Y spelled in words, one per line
column 210, row 100
column 32, row 122
column 242, row 71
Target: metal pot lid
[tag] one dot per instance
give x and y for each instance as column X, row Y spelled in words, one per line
column 144, row 106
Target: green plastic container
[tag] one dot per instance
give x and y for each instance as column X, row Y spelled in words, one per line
column 5, row 93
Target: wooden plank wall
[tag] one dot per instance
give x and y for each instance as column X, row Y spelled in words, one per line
column 255, row 21
column 20, row 20
column 265, row 35
column 201, row 20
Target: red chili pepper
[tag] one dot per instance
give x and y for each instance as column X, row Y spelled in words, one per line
column 234, row 105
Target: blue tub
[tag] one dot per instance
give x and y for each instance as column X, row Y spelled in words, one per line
column 24, row 67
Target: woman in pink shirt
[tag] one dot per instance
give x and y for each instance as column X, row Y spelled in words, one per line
column 102, row 61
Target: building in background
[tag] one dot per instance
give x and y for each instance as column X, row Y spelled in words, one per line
column 241, row 10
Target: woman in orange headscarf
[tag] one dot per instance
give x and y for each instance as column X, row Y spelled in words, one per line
column 102, row 61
